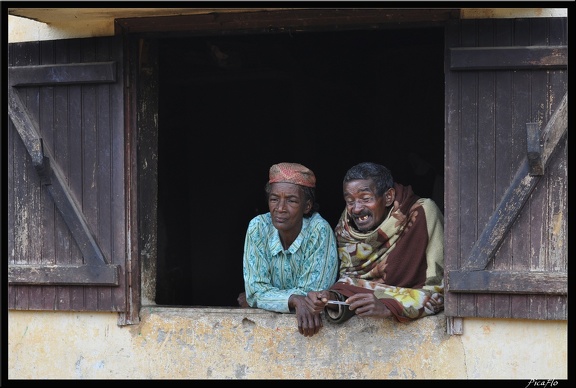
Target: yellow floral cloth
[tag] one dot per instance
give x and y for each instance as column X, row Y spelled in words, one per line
column 401, row 262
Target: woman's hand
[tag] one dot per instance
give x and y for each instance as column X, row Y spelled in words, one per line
column 242, row 300
column 309, row 322
column 316, row 301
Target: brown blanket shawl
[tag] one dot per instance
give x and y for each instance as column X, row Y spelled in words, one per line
column 401, row 262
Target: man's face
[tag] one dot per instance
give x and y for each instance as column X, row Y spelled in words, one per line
column 364, row 207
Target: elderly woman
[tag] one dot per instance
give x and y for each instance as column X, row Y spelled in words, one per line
column 290, row 250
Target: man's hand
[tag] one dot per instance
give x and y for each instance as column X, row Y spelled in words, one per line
column 435, row 304
column 367, row 305
column 309, row 323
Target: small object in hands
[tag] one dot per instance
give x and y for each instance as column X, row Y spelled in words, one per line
column 342, row 314
column 338, row 302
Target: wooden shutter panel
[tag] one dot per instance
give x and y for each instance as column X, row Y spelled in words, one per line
column 506, row 179
column 66, row 176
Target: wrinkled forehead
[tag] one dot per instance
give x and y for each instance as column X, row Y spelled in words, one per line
column 285, row 189
column 359, row 186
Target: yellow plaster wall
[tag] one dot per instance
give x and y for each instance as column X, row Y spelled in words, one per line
column 176, row 343
column 254, row 344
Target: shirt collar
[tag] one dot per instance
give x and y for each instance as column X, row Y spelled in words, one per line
column 275, row 245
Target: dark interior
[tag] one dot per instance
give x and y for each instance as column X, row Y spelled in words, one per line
column 231, row 106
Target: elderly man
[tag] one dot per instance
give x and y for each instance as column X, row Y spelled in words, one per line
column 391, row 249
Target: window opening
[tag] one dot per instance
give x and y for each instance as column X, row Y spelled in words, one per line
column 231, row 106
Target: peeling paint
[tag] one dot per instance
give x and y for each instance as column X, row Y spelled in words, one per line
column 557, row 223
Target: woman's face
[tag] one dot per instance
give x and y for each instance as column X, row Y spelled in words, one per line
column 287, row 206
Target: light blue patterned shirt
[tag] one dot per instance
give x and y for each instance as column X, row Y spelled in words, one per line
column 272, row 274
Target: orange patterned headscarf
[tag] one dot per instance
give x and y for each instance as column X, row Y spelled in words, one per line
column 292, row 173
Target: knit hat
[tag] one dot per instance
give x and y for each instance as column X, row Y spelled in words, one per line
column 292, row 173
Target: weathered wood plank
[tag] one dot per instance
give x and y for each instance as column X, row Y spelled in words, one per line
column 488, row 155
column 516, row 257
column 27, row 128
column 91, row 176
column 76, row 275
column 534, row 216
column 467, row 165
column 63, row 74
column 509, row 282
column 512, row 58
column 75, row 294
column 23, row 175
column 286, row 20
column 452, row 253
column 66, row 250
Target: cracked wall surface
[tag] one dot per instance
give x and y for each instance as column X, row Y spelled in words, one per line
column 177, row 343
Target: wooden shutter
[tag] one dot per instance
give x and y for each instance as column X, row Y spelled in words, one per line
column 506, row 168
column 67, row 245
